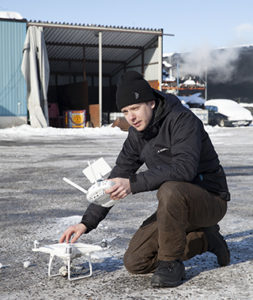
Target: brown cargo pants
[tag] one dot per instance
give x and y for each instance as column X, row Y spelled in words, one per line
column 175, row 231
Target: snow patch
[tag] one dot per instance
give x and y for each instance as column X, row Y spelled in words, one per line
column 10, row 15
column 26, row 264
column 68, row 221
column 25, row 131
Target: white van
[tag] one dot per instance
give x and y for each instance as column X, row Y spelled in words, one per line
column 225, row 112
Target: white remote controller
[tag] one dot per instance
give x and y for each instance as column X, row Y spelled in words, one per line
column 96, row 193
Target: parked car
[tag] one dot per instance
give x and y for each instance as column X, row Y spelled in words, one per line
column 225, row 112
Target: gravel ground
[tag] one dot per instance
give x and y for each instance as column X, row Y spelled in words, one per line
column 37, row 205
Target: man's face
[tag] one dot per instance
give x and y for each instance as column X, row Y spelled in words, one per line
column 139, row 115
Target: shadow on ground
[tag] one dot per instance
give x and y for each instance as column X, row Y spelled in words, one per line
column 240, row 252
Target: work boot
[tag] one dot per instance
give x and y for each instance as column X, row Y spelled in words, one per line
column 168, row 274
column 217, row 245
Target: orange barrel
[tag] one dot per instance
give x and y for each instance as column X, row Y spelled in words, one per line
column 75, row 118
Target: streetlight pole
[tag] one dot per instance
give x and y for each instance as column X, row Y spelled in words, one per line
column 100, row 74
column 206, row 84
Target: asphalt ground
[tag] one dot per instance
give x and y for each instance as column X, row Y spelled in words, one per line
column 36, row 204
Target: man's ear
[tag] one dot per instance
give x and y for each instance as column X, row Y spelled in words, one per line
column 152, row 104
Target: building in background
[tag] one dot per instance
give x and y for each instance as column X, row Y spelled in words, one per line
column 13, row 104
column 85, row 64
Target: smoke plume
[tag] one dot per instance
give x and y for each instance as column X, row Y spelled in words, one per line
column 219, row 64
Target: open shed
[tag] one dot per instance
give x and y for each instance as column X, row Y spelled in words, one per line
column 86, row 62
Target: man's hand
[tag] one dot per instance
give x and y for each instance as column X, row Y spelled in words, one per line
column 120, row 189
column 77, row 230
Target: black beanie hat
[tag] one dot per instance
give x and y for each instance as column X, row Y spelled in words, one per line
column 132, row 89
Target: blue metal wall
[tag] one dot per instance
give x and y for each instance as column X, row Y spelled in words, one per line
column 12, row 83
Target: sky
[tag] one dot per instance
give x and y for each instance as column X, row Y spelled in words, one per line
column 195, row 23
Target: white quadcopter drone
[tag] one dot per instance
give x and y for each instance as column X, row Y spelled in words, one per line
column 96, row 193
column 67, row 252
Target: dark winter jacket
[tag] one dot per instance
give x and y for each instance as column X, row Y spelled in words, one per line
column 174, row 147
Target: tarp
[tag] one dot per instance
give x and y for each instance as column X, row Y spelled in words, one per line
column 35, row 68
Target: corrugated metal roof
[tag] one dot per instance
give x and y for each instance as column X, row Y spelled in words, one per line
column 65, row 43
column 95, row 26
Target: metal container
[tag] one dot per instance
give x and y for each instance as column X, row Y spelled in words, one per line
column 75, row 118
column 13, row 106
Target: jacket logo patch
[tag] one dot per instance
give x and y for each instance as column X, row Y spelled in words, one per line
column 162, row 150
column 137, row 95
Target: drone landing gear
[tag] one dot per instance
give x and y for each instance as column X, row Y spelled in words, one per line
column 68, row 266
